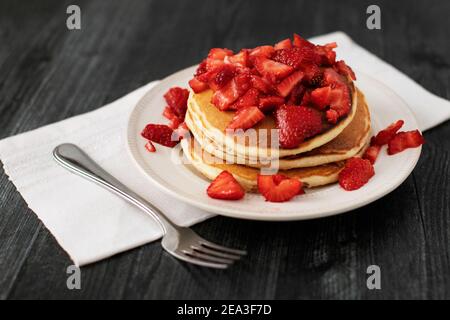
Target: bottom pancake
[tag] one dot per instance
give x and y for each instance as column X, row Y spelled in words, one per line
column 210, row 166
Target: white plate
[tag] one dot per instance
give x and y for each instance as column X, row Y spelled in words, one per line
column 183, row 183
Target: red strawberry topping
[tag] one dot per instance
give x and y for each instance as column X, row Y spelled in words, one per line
column 219, row 53
column 225, row 187
column 268, row 103
column 172, row 117
column 150, row 147
column 198, row 86
column 283, row 44
column 405, row 140
column 285, row 87
column 372, row 152
column 177, row 98
column 249, row 99
column 159, row 133
column 262, row 51
column 278, row 188
column 246, row 118
column 384, row 136
column 294, row 57
column 297, row 123
column 302, row 43
column 356, row 173
column 345, row 70
column 272, row 70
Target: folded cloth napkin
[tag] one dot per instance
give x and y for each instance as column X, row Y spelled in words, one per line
column 91, row 224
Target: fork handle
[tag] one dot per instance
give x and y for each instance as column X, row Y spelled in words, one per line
column 77, row 161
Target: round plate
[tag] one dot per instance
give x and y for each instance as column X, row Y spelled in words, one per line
column 165, row 167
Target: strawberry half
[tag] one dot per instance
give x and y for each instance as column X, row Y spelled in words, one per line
column 285, row 87
column 177, row 98
column 245, row 118
column 278, row 188
column 272, row 70
column 404, row 140
column 225, row 187
column 356, row 173
column 384, row 136
column 297, row 123
column 159, row 133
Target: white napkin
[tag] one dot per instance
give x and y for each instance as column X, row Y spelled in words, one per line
column 91, row 224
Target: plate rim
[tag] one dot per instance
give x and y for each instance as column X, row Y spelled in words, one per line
column 234, row 213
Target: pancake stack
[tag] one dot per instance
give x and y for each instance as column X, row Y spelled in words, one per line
column 316, row 161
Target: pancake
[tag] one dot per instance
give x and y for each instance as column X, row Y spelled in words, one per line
column 347, row 144
column 213, row 124
column 210, row 166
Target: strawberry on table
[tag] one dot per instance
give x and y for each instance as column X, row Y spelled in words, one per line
column 161, row 134
column 278, row 188
column 225, row 187
column 384, row 136
column 297, row 123
column 356, row 173
column 404, row 140
column 246, row 118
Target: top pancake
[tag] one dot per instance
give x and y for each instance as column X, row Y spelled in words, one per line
column 215, row 121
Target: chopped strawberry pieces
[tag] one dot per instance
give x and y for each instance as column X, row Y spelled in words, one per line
column 340, row 103
column 278, row 188
column 372, row 152
column 177, row 98
column 240, row 59
column 219, row 53
column 224, row 97
column 283, row 44
column 261, row 84
column 294, row 57
column 268, row 103
column 320, row 97
column 285, row 87
column 150, row 147
column 384, row 136
column 356, row 173
column 161, row 134
column 272, row 70
column 297, row 123
column 262, row 51
column 246, row 118
column 222, row 75
column 249, row 99
column 404, row 140
column 302, row 43
column 296, row 95
column 172, row 117
column 345, row 70
column 198, row 86
column 225, row 187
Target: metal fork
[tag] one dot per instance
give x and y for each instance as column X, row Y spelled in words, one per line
column 181, row 242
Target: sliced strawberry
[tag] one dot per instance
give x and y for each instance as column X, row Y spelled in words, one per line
column 201, row 68
column 294, row 57
column 321, row 97
column 159, row 133
column 269, row 103
column 306, row 100
column 272, row 70
column 198, row 86
column 344, row 69
column 150, row 147
column 331, row 77
column 313, row 74
column 261, row 51
column 182, row 131
column 224, row 97
column 283, row 44
column 372, row 152
column 297, row 123
column 285, row 87
column 296, row 95
column 221, row 76
column 243, row 82
column 340, row 103
column 326, row 53
column 219, row 53
column 240, row 59
column 212, row 64
column 278, row 188
column 172, row 117
column 249, row 99
column 356, row 173
column 384, row 136
column 225, row 187
column 245, row 118
column 302, row 43
column 404, row 140
column 261, row 84
column 177, row 98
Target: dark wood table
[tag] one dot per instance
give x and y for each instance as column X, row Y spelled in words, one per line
column 48, row 73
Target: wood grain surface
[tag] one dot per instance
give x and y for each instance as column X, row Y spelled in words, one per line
column 48, row 73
